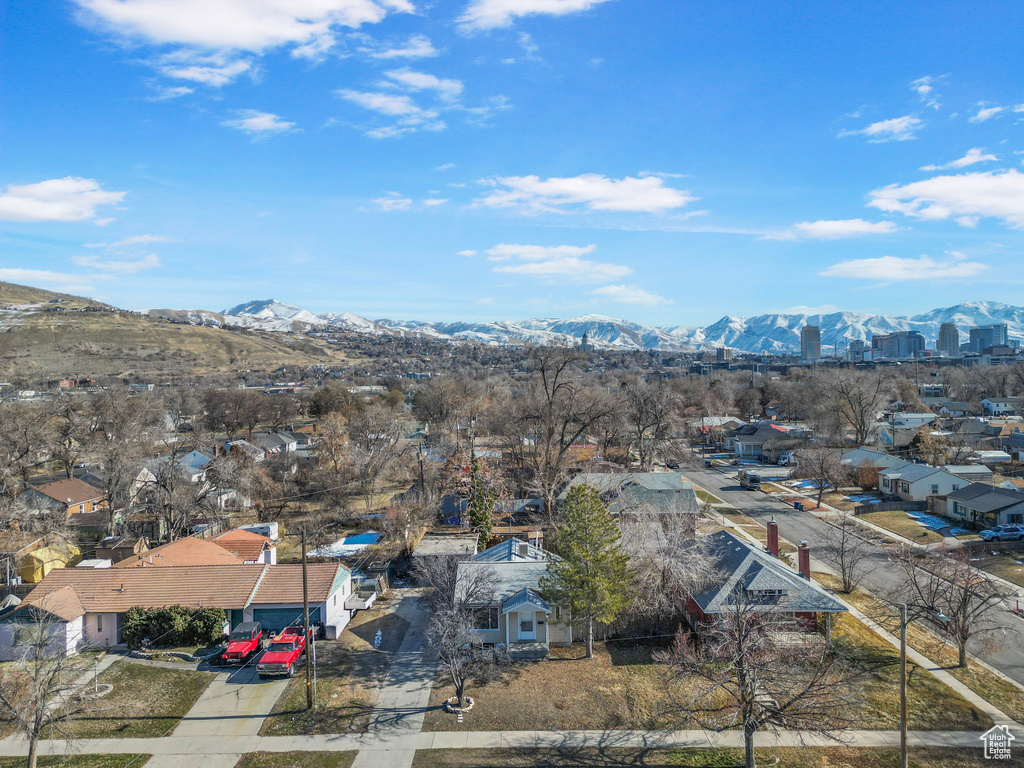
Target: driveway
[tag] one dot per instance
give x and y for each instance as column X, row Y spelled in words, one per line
column 235, row 704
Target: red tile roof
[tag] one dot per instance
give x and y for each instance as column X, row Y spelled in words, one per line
column 283, row 583
column 242, row 543
column 187, row 551
column 70, row 491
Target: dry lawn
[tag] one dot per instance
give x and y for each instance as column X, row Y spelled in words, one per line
column 620, row 688
column 296, row 760
column 899, row 523
column 613, row 757
column 1009, row 566
column 932, row 706
column 991, row 687
column 80, row 761
column 350, row 673
column 146, row 702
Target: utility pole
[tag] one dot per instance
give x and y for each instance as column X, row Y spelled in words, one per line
column 903, row 686
column 310, row 701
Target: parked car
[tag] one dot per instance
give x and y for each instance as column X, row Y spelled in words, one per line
column 672, row 464
column 282, row 653
column 246, row 641
column 1003, row 533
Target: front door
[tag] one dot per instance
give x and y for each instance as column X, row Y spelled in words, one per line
column 527, row 627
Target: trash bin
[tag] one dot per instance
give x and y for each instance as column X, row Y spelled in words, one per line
column 798, row 506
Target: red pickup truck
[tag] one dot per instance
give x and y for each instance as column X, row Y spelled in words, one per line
column 282, row 653
column 245, row 642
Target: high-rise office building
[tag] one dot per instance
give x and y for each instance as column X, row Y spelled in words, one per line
column 723, row 354
column 810, row 342
column 984, row 336
column 901, row 344
column 949, row 340
column 856, row 350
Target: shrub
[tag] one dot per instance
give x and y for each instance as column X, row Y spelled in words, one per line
column 172, row 626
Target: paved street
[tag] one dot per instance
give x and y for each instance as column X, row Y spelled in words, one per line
column 1006, row 653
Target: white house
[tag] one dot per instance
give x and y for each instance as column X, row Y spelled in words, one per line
column 93, row 601
column 61, row 615
column 999, row 406
column 916, row 482
column 517, row 616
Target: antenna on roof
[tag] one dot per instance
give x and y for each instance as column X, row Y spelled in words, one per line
column 122, row 588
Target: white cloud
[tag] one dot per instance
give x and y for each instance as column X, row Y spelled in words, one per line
column 422, row 81
column 554, row 261
column 488, row 14
column 590, row 190
column 895, row 269
column 832, row 230
column 411, row 116
column 505, row 251
column 467, row 252
column 165, row 93
column 258, row 123
column 393, row 202
column 124, row 267
column 68, row 199
column 925, row 88
column 243, row 25
column 133, row 240
column 416, row 47
column 630, row 294
column 998, row 194
column 445, row 167
column 215, row 70
column 985, row 113
column 433, row 202
column 973, row 156
column 570, row 268
column 895, row 129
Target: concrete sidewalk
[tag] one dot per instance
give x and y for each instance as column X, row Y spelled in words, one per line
column 382, row 751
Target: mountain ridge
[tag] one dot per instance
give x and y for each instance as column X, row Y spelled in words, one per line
column 777, row 333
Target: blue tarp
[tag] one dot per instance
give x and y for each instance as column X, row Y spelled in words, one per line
column 930, row 522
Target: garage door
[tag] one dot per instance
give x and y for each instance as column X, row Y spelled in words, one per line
column 273, row 620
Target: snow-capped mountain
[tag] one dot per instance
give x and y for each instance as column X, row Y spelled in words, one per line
column 772, row 333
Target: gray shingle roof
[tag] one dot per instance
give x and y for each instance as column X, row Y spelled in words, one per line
column 743, row 566
column 982, row 497
column 910, row 472
column 640, row 491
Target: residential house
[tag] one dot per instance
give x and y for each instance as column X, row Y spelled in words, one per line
column 60, row 612
column 1013, row 484
column 277, row 443
column 984, row 505
column 186, row 551
column 250, row 546
column 954, row 409
column 269, row 594
column 1014, row 446
column 517, row 616
column 245, row 448
column 916, row 482
column 764, row 440
column 1001, row 406
column 117, row 548
column 763, row 579
column 973, row 473
column 628, row 492
column 73, row 495
column 865, row 457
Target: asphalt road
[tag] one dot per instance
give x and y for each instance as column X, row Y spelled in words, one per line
column 1004, row 650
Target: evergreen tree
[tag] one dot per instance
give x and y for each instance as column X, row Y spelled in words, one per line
column 591, row 578
column 482, row 497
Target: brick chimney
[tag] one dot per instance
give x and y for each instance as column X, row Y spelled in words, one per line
column 773, row 538
column 804, row 560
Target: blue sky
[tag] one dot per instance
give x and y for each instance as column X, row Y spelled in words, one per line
column 660, row 160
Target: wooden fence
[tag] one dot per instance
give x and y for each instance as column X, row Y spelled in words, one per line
column 889, row 506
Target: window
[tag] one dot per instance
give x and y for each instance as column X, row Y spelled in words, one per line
column 99, row 622
column 487, row 619
column 335, row 600
column 1015, row 519
column 558, row 613
column 935, row 488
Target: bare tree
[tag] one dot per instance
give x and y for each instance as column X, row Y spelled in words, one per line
column 822, row 466
column 543, row 420
column 36, row 687
column 23, row 432
column 457, row 598
column 950, row 595
column 649, row 409
column 669, row 562
column 852, row 399
column 374, row 435
column 749, row 671
column 846, row 551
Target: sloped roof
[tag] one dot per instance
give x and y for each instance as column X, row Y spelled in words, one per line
column 860, row 457
column 69, row 491
column 639, row 491
column 982, row 497
column 523, row 598
column 62, row 603
column 244, row 544
column 511, row 551
column 187, row 551
column 115, row 590
column 910, row 472
column 283, row 583
column 743, row 566
column 510, row 572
